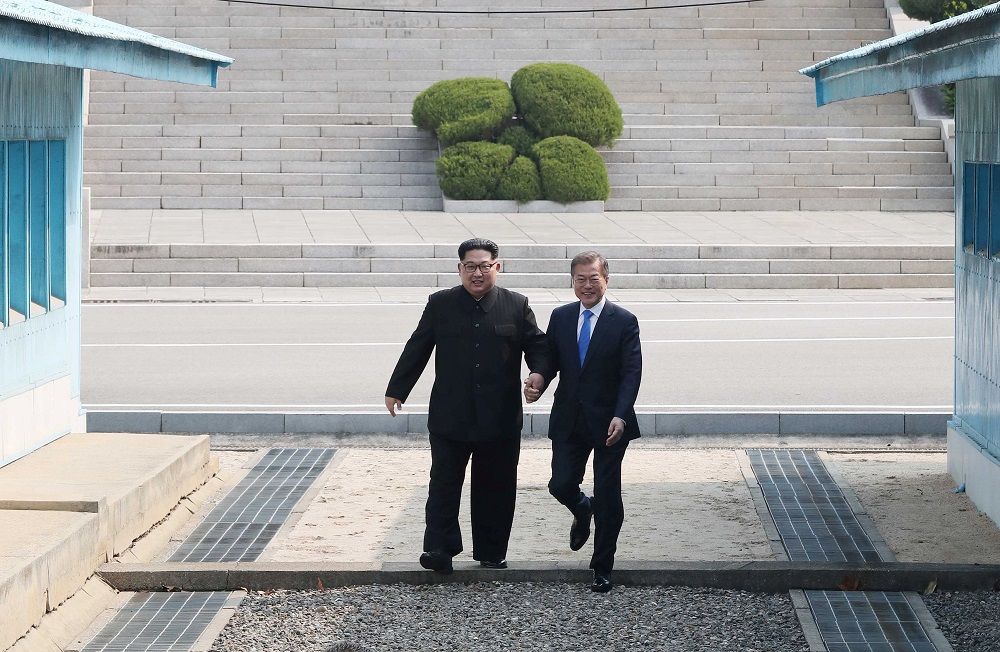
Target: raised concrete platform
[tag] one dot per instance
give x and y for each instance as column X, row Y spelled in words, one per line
column 76, row 503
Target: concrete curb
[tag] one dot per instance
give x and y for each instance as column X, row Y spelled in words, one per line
column 757, row 576
column 650, row 423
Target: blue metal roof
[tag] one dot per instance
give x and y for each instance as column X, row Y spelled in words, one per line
column 963, row 47
column 45, row 32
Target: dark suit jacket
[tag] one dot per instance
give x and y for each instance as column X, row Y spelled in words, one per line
column 477, row 366
column 608, row 383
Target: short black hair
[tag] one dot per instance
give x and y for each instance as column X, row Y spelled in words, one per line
column 478, row 243
column 589, row 258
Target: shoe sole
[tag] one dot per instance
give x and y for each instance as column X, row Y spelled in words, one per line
column 444, row 570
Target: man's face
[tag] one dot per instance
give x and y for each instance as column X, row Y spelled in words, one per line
column 589, row 284
column 476, row 281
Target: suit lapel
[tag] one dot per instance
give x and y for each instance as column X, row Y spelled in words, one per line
column 602, row 327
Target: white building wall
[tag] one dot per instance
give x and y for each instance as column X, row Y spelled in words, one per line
column 974, row 434
column 40, row 357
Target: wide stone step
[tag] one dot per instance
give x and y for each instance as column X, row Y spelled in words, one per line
column 514, row 266
column 542, row 266
column 522, row 280
column 776, row 204
column 523, row 251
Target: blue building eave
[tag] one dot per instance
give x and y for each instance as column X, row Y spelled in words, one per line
column 963, row 47
column 37, row 31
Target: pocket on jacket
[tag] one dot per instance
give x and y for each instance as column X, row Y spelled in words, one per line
column 450, row 330
column 506, row 330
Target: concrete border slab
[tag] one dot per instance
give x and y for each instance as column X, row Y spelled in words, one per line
column 758, row 576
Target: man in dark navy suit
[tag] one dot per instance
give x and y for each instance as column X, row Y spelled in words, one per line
column 594, row 347
column 479, row 331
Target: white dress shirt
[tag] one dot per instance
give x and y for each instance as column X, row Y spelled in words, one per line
column 593, row 320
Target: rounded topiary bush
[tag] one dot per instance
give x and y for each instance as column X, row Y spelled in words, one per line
column 459, row 110
column 520, row 139
column 520, row 182
column 571, row 170
column 562, row 99
column 472, row 170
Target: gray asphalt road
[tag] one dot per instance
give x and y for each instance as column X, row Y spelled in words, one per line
column 697, row 356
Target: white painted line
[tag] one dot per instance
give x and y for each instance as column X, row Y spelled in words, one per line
column 197, row 345
column 380, row 407
column 802, row 339
column 410, row 407
column 284, row 305
column 190, row 345
column 742, row 319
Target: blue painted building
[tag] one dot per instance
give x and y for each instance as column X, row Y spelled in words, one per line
column 964, row 50
column 44, row 50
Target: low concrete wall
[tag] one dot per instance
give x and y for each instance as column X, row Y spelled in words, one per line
column 970, row 464
column 535, row 423
column 45, row 558
column 37, row 416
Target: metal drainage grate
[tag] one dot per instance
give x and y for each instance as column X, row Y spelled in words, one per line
column 813, row 517
column 816, row 523
column 245, row 521
column 868, row 621
column 159, row 622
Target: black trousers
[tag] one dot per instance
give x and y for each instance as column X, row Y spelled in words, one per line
column 569, row 461
column 493, row 494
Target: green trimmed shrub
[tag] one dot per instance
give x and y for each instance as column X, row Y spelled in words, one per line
column 520, row 139
column 520, row 182
column 934, row 11
column 571, row 170
column 562, row 99
column 472, row 170
column 459, row 110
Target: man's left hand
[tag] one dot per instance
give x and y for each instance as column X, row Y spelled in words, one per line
column 615, row 431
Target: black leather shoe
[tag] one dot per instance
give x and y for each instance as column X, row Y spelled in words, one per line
column 580, row 532
column 437, row 561
column 495, row 565
column 602, row 582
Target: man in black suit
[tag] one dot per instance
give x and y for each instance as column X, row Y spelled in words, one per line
column 595, row 349
column 480, row 332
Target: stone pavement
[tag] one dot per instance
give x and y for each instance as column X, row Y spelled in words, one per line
column 410, row 227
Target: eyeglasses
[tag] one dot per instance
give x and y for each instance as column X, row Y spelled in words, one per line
column 482, row 267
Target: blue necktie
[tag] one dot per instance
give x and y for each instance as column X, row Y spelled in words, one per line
column 584, row 341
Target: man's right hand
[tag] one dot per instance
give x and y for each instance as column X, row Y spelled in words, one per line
column 393, row 404
column 533, row 385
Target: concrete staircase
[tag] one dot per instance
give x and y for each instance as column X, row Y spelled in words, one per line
column 314, row 114
column 525, row 266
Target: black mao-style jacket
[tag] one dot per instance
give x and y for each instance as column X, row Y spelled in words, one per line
column 477, row 363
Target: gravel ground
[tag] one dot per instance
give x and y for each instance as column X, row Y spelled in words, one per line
column 969, row 620
column 497, row 617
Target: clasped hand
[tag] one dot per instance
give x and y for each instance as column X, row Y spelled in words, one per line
column 534, row 384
